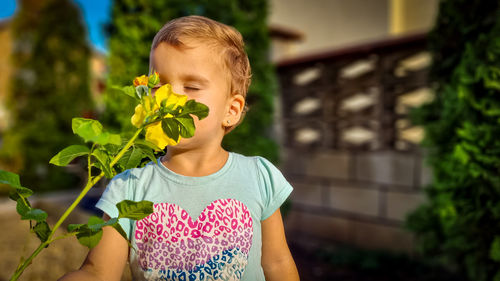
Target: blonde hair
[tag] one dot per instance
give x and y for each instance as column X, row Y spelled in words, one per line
column 224, row 38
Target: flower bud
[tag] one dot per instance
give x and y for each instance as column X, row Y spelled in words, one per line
column 141, row 80
column 153, row 79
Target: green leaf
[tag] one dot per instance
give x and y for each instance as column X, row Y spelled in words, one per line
column 103, row 162
column 147, row 143
column 195, row 108
column 127, row 90
column 74, row 227
column 9, row 178
column 17, row 190
column 23, row 191
column 95, row 223
column 86, row 128
column 461, row 154
column 89, row 234
column 42, row 230
column 65, row 156
column 147, row 152
column 495, row 249
column 186, row 125
column 113, row 149
column 21, row 207
column 36, row 215
column 131, row 159
column 134, row 210
column 27, row 213
column 89, row 238
column 92, row 131
column 170, row 128
column 107, row 138
column 112, row 221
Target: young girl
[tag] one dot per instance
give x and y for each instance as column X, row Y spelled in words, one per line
column 216, row 213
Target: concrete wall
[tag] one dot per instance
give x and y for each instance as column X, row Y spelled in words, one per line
column 412, row 15
column 331, row 23
column 358, row 198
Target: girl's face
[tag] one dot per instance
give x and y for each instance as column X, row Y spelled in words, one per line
column 196, row 71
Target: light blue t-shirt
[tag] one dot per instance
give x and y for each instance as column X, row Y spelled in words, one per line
column 202, row 228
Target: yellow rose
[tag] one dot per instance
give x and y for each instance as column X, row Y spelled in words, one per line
column 154, row 132
column 138, row 116
column 141, row 111
column 165, row 92
column 141, row 80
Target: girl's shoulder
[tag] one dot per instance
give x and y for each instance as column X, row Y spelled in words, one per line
column 256, row 161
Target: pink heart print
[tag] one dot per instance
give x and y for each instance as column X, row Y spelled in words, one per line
column 215, row 246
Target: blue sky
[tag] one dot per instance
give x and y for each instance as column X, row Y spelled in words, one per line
column 95, row 13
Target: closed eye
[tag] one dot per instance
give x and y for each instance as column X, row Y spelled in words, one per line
column 191, row 88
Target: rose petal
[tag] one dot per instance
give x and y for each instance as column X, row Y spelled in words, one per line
column 155, row 134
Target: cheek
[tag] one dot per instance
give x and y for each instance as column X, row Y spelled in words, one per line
column 210, row 122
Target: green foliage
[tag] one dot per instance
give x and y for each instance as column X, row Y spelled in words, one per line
column 23, row 207
column 131, row 31
column 459, row 225
column 107, row 150
column 49, row 86
column 91, row 131
column 90, row 234
column 42, row 230
column 134, row 210
column 65, row 156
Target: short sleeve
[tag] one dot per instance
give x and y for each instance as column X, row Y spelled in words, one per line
column 116, row 191
column 273, row 186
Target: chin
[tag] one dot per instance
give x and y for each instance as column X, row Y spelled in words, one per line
column 183, row 143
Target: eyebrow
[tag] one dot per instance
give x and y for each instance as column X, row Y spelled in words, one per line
column 193, row 78
column 196, row 78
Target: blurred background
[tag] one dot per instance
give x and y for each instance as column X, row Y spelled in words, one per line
column 382, row 114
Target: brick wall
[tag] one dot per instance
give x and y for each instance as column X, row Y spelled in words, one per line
column 348, row 146
column 359, row 198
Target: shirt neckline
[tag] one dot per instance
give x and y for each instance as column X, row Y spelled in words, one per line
column 193, row 181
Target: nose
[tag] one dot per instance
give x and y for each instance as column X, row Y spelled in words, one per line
column 177, row 88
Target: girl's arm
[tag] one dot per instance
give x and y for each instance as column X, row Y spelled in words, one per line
column 105, row 261
column 277, row 261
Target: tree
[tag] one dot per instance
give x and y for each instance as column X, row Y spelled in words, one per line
column 131, row 31
column 50, row 86
column 459, row 224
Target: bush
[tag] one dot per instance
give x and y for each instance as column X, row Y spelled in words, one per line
column 459, row 224
column 49, row 86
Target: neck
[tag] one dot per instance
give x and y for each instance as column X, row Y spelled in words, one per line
column 195, row 162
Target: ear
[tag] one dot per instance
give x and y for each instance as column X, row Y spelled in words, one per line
column 235, row 106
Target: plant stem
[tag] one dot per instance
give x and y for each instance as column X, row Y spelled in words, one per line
column 90, row 183
column 27, row 262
